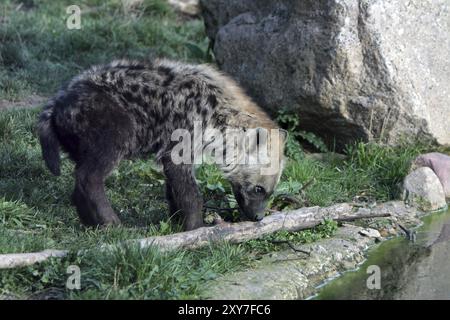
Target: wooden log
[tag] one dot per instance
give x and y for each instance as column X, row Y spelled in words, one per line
column 301, row 219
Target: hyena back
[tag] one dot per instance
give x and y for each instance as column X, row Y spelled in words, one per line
column 130, row 109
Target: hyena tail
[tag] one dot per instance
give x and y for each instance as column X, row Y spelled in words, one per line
column 49, row 141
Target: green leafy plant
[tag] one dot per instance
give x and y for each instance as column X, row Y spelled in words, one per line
column 199, row 52
column 217, row 193
column 292, row 124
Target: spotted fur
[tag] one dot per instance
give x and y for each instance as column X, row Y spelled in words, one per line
column 129, row 109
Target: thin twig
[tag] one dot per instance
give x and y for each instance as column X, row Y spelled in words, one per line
column 410, row 234
column 307, row 184
column 363, row 216
column 291, row 246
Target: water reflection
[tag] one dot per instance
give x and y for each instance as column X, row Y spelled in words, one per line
column 419, row 270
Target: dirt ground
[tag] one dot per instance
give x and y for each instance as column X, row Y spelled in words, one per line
column 32, row 101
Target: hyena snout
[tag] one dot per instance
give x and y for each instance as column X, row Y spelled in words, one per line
column 252, row 205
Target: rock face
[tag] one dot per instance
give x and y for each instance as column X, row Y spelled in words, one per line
column 440, row 164
column 288, row 275
column 423, row 189
column 364, row 69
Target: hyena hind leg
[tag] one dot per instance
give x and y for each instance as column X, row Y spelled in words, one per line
column 175, row 214
column 183, row 194
column 89, row 195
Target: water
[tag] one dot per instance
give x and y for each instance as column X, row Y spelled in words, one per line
column 408, row 270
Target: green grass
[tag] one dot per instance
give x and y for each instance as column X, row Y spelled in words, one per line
column 370, row 170
column 38, row 53
column 128, row 273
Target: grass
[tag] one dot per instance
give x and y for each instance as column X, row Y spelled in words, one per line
column 127, row 273
column 37, row 54
column 370, row 170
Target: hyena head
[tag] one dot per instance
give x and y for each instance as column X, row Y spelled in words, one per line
column 256, row 174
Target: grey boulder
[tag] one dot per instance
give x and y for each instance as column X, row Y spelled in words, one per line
column 351, row 69
column 423, row 189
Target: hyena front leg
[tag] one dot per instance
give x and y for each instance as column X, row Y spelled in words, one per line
column 183, row 194
column 89, row 196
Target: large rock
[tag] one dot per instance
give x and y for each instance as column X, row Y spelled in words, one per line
column 351, row 69
column 423, row 189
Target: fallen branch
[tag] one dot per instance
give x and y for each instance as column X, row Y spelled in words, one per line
column 301, row 219
column 15, row 260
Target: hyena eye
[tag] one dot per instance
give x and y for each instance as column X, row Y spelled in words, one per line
column 260, row 190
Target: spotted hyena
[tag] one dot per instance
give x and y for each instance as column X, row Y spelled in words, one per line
column 130, row 109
